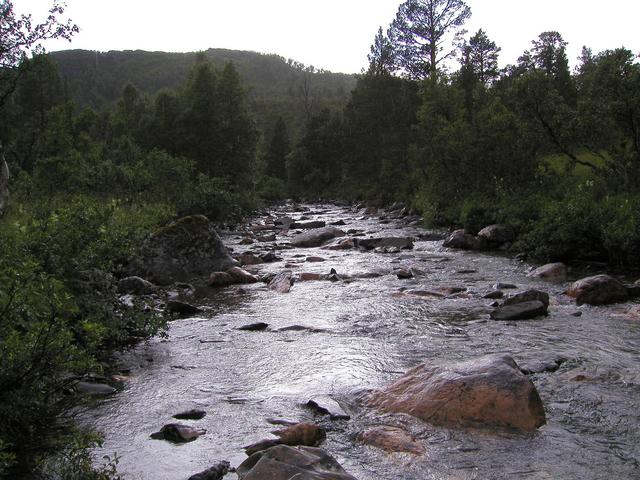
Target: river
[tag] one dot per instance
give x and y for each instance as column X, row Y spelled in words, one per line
column 362, row 334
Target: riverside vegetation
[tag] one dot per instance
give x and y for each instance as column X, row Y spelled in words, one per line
column 553, row 153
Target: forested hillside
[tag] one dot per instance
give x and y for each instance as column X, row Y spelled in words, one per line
column 275, row 86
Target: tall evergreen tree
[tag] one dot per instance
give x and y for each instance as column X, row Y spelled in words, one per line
column 382, row 57
column 420, row 33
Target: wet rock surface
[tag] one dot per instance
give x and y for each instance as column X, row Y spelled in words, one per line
column 598, row 290
column 286, row 463
column 489, row 391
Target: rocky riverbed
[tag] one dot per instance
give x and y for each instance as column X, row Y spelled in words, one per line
column 336, row 306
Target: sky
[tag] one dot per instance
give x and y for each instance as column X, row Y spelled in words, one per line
column 331, row 34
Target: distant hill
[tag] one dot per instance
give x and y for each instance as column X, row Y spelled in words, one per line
column 275, row 86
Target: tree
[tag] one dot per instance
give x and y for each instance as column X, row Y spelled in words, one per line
column 19, row 37
column 480, row 57
column 419, row 33
column 549, row 55
column 277, row 151
column 382, row 58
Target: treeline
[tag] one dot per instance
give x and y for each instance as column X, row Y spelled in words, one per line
column 275, row 86
column 553, row 152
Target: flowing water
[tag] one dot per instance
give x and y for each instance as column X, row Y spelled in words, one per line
column 362, row 334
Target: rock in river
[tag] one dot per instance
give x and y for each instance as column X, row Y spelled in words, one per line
column 217, row 472
column 528, row 296
column 186, row 248
column 282, row 282
column 307, row 434
column 598, row 290
column 193, row 414
column 328, row 406
column 286, row 463
column 178, row 433
column 181, row 308
column 488, row 391
column 551, row 272
column 391, row 439
column 497, row 234
column 373, row 243
column 316, row 237
column 464, row 241
column 520, row 311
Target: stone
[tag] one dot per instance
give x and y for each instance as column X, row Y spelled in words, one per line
column 391, row 439
column 286, row 222
column 248, row 258
column 184, row 249
column 505, row 286
column 497, row 234
column 135, row 286
column 326, row 405
column 342, row 244
column 254, row 327
column 220, row 279
column 315, row 259
column 551, row 272
column 338, row 223
column 282, row 282
column 460, row 240
column 178, row 433
column 494, row 295
column 633, row 291
column 217, row 472
column 241, row 276
column 598, row 290
column 307, row 434
column 246, row 241
column 308, row 225
column 269, row 257
column 520, row 311
column 308, row 276
column 94, row 389
column 488, row 392
column 528, row 296
column 193, row 414
column 404, row 273
column 181, row 308
column 283, row 462
column 385, row 243
column 267, row 238
column 316, row 237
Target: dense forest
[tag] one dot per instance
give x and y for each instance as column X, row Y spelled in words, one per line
column 102, row 148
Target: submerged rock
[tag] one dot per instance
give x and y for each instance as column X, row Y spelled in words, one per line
column 598, row 290
column 307, row 434
column 391, row 439
column 181, row 308
column 520, row 311
column 217, row 472
column 193, row 414
column 384, row 242
column 488, row 391
column 326, row 405
column 308, row 225
column 528, row 296
column 95, row 389
column 178, row 433
column 254, row 327
column 316, row 237
column 283, row 462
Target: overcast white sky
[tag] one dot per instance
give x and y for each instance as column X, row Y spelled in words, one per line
column 330, row 34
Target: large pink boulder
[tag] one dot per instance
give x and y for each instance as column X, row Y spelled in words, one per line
column 488, row 391
column 598, row 290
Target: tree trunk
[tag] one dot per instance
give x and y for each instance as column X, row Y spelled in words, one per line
column 4, row 183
